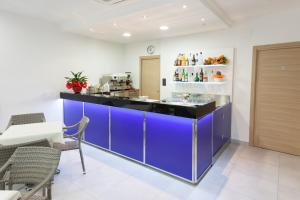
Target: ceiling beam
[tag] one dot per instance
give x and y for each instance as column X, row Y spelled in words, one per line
column 218, row 11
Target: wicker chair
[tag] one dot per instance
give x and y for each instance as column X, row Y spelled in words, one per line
column 32, row 165
column 7, row 151
column 26, row 119
column 77, row 138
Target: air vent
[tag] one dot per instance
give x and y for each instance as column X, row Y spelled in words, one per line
column 110, row 2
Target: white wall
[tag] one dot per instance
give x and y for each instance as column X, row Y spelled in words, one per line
column 282, row 27
column 35, row 56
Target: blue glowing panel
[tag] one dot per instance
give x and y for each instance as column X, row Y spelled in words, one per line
column 97, row 131
column 73, row 112
column 221, row 127
column 218, row 129
column 169, row 143
column 227, row 122
column 127, row 132
column 204, row 144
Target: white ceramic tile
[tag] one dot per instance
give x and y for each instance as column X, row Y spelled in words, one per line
column 260, row 155
column 228, row 194
column 251, row 186
column 240, row 173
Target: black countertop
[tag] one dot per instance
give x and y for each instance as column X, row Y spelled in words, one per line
column 189, row 111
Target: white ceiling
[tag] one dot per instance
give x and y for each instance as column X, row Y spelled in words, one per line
column 108, row 22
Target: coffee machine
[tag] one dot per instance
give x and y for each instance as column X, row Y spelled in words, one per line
column 120, row 84
column 117, row 81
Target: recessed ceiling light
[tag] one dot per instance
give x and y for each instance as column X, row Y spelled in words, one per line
column 163, row 28
column 203, row 19
column 184, row 6
column 145, row 17
column 92, row 30
column 126, row 34
column 115, row 24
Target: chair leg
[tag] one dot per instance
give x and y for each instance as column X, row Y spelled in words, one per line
column 49, row 192
column 82, row 161
column 44, row 192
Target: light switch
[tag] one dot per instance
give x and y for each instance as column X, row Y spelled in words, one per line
column 164, row 82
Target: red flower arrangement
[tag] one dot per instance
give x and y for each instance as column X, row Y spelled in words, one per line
column 77, row 82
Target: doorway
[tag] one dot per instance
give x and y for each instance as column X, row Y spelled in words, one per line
column 150, row 76
column 275, row 100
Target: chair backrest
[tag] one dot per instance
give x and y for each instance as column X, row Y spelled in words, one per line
column 26, row 119
column 7, row 151
column 32, row 165
column 82, row 126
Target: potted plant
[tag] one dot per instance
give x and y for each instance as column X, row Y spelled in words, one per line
column 76, row 82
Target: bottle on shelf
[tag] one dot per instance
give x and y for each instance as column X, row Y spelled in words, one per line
column 191, row 77
column 205, row 77
column 211, row 76
column 187, row 62
column 179, row 60
column 174, row 76
column 196, row 59
column 200, row 59
column 197, row 79
column 193, row 60
column 179, row 76
column 190, row 59
column 183, row 62
column 186, row 76
column 201, row 75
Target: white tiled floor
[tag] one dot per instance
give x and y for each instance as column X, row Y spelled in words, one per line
column 240, row 173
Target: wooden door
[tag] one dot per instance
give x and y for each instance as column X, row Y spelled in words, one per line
column 275, row 113
column 150, row 77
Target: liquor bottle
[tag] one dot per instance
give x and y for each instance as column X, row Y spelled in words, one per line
column 201, row 75
column 211, row 76
column 178, row 60
column 194, row 60
column 197, row 58
column 179, row 76
column 190, row 59
column 186, row 77
column 191, row 77
column 200, row 59
column 187, row 62
column 174, row 77
column 205, row 77
column 197, row 79
column 182, row 75
column 183, row 63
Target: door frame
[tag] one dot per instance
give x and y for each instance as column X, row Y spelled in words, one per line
column 256, row 50
column 140, row 68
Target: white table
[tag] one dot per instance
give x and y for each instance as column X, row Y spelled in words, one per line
column 17, row 134
column 9, row 195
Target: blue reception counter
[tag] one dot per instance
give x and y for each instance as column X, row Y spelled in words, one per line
column 179, row 146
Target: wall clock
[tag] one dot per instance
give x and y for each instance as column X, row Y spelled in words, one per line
column 150, row 49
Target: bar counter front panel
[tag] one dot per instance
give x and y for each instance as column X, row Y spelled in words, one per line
column 179, row 146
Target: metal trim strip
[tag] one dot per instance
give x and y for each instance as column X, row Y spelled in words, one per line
column 109, row 127
column 144, row 139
